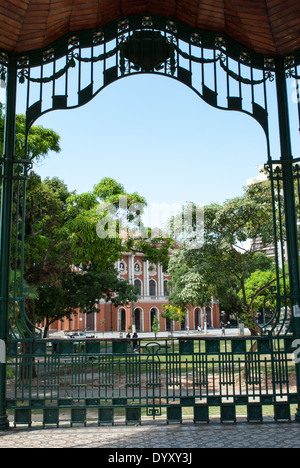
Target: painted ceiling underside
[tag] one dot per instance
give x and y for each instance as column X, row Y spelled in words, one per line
column 270, row 27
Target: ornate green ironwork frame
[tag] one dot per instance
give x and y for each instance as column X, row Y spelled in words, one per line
column 74, row 69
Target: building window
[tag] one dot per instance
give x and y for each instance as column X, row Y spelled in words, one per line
column 198, row 321
column 152, row 288
column 122, row 320
column 153, row 313
column 138, row 320
column 168, row 325
column 166, row 291
column 138, row 286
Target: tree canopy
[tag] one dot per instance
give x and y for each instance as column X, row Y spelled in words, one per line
column 229, row 260
column 40, row 140
column 62, row 235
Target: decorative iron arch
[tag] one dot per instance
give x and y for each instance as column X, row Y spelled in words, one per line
column 219, row 70
column 223, row 73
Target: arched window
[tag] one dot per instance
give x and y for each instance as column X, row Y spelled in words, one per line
column 138, row 316
column 198, row 321
column 138, row 286
column 208, row 317
column 152, row 288
column 122, row 320
column 185, row 323
column 168, row 325
column 153, row 313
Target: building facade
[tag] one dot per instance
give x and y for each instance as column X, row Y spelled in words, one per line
column 152, row 284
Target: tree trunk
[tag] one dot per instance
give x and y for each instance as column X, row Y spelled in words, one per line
column 27, row 370
column 46, row 328
column 248, row 360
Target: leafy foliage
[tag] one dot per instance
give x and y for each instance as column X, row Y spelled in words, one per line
column 227, row 260
column 173, row 313
column 61, row 231
column 79, row 291
column 40, row 140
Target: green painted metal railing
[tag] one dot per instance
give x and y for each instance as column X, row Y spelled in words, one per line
column 106, row 381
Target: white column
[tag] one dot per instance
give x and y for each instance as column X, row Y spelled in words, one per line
column 147, row 279
column 205, row 320
column 131, row 269
column 144, row 279
column 161, row 280
column 159, row 292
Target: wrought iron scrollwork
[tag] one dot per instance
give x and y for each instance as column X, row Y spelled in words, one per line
column 21, row 168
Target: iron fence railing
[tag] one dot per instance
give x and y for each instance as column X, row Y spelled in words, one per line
column 51, row 382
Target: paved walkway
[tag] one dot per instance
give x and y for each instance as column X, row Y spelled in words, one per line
column 157, row 436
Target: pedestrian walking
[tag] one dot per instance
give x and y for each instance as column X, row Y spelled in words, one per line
column 134, row 341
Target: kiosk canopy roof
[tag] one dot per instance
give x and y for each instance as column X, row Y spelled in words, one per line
column 270, row 27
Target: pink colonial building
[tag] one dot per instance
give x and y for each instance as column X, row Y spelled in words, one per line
column 152, row 284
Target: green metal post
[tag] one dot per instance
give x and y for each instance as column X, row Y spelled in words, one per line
column 6, row 227
column 289, row 204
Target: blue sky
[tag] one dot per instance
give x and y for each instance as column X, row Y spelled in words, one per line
column 157, row 137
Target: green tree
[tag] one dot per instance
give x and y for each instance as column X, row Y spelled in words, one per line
column 61, row 230
column 259, row 292
column 227, row 258
column 82, row 291
column 95, row 221
column 40, row 140
column 173, row 314
column 106, row 222
column 187, row 284
column 155, row 325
